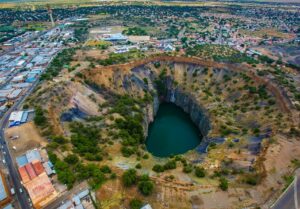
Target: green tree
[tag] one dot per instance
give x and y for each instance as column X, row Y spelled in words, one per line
column 199, row 172
column 158, row 168
column 135, row 204
column 145, row 185
column 188, row 168
column 71, row 159
column 129, row 177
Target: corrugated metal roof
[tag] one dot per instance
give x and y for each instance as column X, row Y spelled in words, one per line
column 30, row 170
column 48, row 169
column 76, row 200
column 33, row 155
column 38, row 167
column 41, row 189
column 24, row 117
column 22, row 160
column 83, row 194
column 14, row 94
column 80, row 206
column 9, row 206
column 16, row 116
column 66, row 205
column 3, row 194
column 24, row 175
column 146, row 207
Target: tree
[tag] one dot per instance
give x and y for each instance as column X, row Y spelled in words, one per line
column 71, row 159
column 187, row 168
column 223, row 184
column 39, row 118
column 158, row 168
column 135, row 204
column 145, row 185
column 129, row 177
column 105, row 169
column 199, row 172
column 170, row 165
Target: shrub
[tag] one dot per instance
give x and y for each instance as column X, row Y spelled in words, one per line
column 138, row 166
column 170, row 165
column 188, row 168
column 145, row 185
column 223, row 184
column 105, row 169
column 158, row 168
column 200, row 172
column 129, row 177
column 71, row 159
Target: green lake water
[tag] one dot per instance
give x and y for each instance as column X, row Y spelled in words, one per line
column 172, row 132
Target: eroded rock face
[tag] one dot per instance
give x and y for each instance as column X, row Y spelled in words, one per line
column 182, row 99
column 190, row 106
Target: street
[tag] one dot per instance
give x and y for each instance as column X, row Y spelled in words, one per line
column 290, row 199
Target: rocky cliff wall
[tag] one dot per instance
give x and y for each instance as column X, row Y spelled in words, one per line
column 190, row 106
column 183, row 100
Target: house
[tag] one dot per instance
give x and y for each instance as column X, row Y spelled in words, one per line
column 114, row 37
column 14, row 94
column 169, row 48
column 19, row 78
column 124, row 49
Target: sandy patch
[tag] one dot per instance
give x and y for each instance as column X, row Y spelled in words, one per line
column 28, row 138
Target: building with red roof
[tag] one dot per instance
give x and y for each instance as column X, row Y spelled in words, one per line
column 30, row 171
column 38, row 167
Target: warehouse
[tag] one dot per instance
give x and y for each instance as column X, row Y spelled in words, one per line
column 5, row 197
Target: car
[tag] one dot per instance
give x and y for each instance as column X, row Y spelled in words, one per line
column 21, row 190
column 3, row 161
column 12, row 191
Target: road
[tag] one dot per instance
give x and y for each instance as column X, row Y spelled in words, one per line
column 290, row 199
column 14, row 175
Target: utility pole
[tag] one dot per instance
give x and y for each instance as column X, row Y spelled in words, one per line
column 50, row 15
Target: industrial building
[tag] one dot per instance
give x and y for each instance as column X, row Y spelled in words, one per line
column 114, row 37
column 41, row 191
column 19, row 117
column 5, row 197
column 34, row 176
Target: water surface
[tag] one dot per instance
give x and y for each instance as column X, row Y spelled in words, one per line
column 172, row 132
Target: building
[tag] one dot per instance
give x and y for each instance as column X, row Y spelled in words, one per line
column 5, row 196
column 35, row 178
column 18, row 117
column 9, row 206
column 78, row 201
column 139, row 39
column 19, row 78
column 114, row 37
column 124, row 49
column 148, row 206
column 14, row 94
column 49, row 168
column 41, row 191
